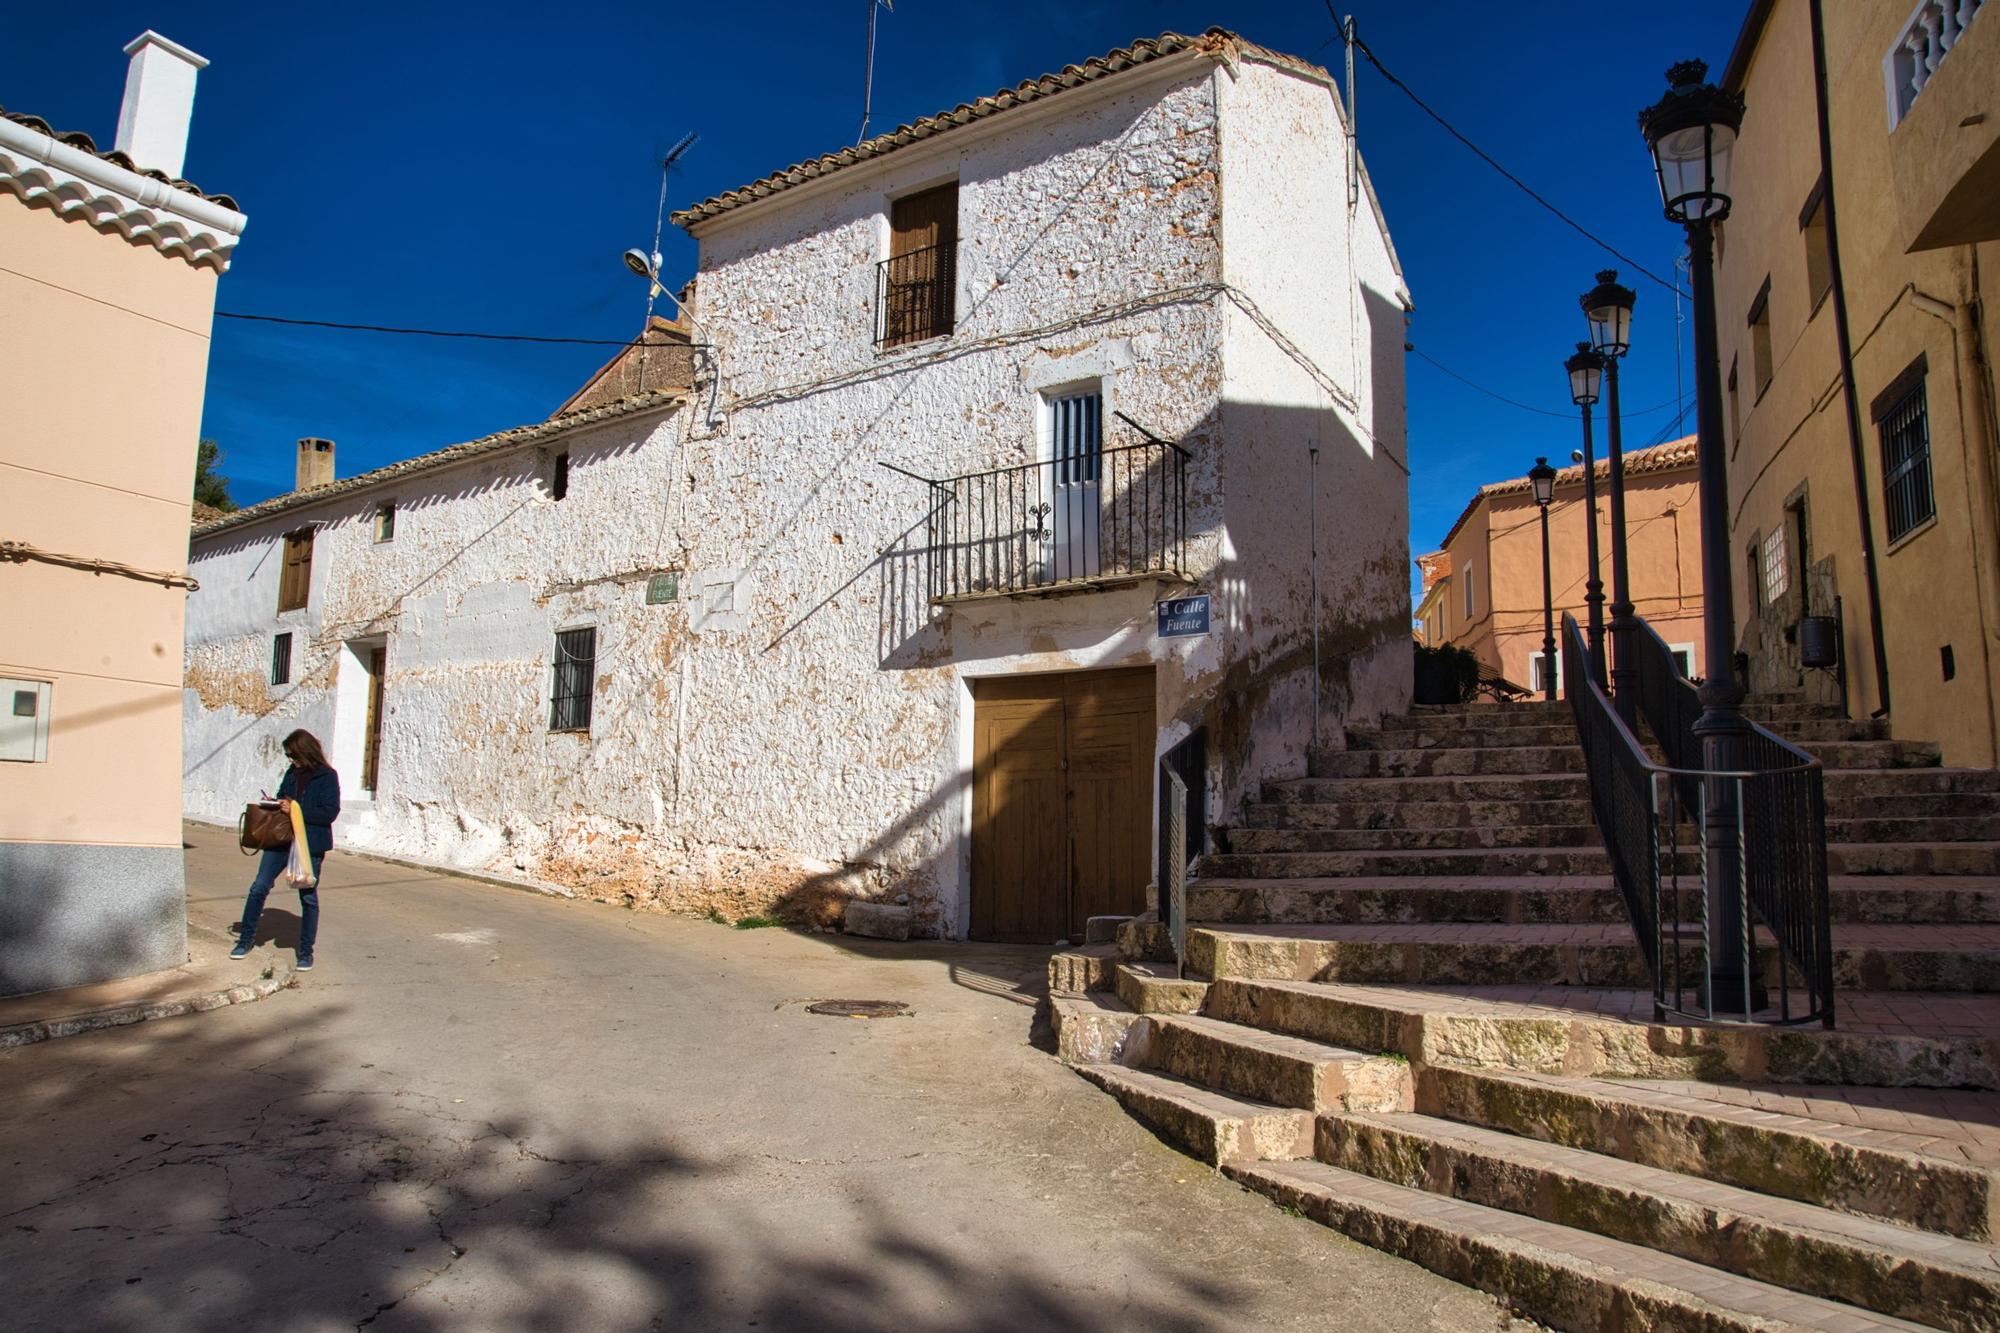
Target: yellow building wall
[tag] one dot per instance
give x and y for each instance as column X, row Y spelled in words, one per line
column 1938, row 582
column 105, row 345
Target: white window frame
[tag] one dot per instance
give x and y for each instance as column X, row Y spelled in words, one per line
column 1687, row 649
column 1535, row 683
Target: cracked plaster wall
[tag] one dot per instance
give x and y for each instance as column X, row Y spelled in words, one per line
column 793, row 730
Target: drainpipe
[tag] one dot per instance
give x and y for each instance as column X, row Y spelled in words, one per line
column 1854, row 450
column 1978, row 438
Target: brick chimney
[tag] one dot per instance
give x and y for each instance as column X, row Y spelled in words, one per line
column 159, row 102
column 315, row 463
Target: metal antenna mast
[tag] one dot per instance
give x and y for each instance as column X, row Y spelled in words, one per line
column 868, row 78
column 659, row 220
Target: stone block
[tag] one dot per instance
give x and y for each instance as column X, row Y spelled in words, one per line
column 1103, row 929
column 880, row 921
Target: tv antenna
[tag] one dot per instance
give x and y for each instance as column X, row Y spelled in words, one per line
column 868, row 78
column 649, row 266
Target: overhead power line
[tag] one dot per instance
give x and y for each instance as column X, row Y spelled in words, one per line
column 1520, row 184
column 1529, row 407
column 429, row 333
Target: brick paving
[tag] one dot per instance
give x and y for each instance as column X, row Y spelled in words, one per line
column 1957, row 1125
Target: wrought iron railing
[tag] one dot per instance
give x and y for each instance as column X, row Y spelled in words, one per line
column 1120, row 514
column 916, row 295
column 1655, row 821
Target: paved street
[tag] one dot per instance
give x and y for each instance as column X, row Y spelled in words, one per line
column 487, row 1109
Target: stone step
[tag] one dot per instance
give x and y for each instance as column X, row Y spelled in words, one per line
column 1908, row 818
column 1765, row 710
column 1366, row 814
column 1470, row 761
column 1866, row 957
column 1085, row 969
column 1211, row 1126
column 1473, row 837
column 1563, row 732
column 1385, row 899
column 1152, row 988
column 1831, row 1164
column 1274, row 1067
column 1609, row 1033
column 1561, row 1276
column 1290, row 854
column 1090, row 1026
column 1876, row 1265
column 1870, row 784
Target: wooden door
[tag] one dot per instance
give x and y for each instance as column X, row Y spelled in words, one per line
column 371, row 755
column 1062, row 802
column 919, row 288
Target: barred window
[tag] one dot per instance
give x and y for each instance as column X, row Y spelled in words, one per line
column 1777, row 575
column 575, row 678
column 281, row 659
column 1904, row 423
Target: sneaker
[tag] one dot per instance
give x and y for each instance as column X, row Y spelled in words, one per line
column 306, row 963
column 240, row 951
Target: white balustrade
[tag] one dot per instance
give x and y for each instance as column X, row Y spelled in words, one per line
column 1932, row 30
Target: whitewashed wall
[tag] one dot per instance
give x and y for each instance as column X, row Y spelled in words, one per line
column 797, row 727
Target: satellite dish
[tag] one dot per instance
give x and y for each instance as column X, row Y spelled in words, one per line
column 635, row 259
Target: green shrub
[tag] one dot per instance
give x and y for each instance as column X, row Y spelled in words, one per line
column 1446, row 674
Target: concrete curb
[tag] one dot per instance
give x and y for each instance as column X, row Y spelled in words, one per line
column 96, row 1020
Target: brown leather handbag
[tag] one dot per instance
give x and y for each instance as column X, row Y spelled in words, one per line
column 264, row 825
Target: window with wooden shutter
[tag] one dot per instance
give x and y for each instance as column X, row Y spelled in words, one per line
column 916, row 292
column 295, row 578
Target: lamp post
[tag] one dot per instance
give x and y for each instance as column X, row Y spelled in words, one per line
column 1586, row 378
column 1607, row 308
column 1542, row 478
column 1691, row 132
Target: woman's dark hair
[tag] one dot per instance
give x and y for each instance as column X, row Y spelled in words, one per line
column 302, row 748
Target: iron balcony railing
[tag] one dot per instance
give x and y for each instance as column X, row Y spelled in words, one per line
column 916, row 295
column 1111, row 515
column 1654, row 820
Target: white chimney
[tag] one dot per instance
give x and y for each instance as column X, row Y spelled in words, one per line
column 159, row 102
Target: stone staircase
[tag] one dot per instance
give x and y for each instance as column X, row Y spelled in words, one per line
column 1414, row 1012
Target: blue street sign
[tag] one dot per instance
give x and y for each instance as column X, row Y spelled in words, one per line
column 1183, row 617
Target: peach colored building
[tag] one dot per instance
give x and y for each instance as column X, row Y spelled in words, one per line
column 103, row 250
column 1483, row 588
column 1890, row 433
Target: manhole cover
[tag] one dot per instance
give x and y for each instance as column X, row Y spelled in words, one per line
column 859, row 1008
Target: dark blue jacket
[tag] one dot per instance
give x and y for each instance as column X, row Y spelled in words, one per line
column 319, row 802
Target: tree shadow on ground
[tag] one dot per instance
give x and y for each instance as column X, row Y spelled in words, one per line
column 257, row 1182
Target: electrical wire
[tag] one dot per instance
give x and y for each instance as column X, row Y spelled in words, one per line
column 1522, row 185
column 1528, row 407
column 430, row 333
column 22, row 552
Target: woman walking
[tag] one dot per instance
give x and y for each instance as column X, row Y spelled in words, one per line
column 313, row 784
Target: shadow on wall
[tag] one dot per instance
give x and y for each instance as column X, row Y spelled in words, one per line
column 265, row 1185
column 72, row 914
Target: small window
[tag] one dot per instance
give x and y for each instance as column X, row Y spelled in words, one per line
column 1756, row 560
column 1819, row 253
column 1735, row 411
column 281, row 660
column 24, row 721
column 1904, row 425
column 1538, row 673
column 295, row 578
column 1777, row 574
column 385, row 521
column 1683, row 655
column 559, row 477
column 575, row 680
column 1760, row 339
column 1471, row 598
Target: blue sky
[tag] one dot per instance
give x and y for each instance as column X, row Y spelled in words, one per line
column 441, row 167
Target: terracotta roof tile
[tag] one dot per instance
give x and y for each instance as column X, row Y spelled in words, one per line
column 1638, row 462
column 83, row 143
column 438, row 458
column 1218, row 42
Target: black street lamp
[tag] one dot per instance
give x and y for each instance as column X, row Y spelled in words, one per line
column 1607, row 308
column 1691, row 132
column 1586, row 379
column 1543, row 478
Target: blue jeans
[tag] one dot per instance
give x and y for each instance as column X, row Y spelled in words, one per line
column 268, row 870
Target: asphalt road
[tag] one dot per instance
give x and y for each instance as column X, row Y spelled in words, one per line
column 486, row 1109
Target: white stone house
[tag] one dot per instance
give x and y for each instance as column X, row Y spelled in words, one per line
column 874, row 609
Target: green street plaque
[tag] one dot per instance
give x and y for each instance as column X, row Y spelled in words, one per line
column 663, row 588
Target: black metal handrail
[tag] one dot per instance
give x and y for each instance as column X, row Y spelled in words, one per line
column 1781, row 823
column 916, row 295
column 1035, row 526
column 1624, row 798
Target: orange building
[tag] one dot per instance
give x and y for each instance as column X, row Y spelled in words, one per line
column 1483, row 588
